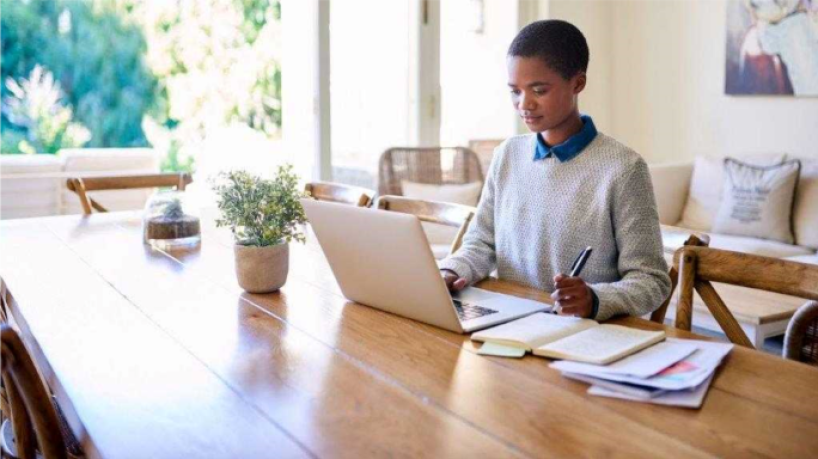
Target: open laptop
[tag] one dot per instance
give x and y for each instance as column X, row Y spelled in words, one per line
column 383, row 260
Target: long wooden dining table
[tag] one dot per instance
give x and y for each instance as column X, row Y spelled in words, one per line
column 160, row 354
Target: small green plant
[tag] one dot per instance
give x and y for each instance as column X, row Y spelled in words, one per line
column 261, row 212
column 173, row 209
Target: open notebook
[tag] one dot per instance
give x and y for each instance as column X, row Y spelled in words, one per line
column 570, row 338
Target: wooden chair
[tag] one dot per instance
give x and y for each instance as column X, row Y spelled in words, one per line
column 695, row 239
column 801, row 339
column 441, row 213
column 82, row 185
column 698, row 266
column 36, row 427
column 431, row 165
column 73, row 447
column 335, row 192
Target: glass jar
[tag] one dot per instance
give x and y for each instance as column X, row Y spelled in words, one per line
column 169, row 221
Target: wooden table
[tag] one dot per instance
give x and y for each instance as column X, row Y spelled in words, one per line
column 760, row 314
column 158, row 355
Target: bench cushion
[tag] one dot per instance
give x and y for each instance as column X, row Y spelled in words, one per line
column 109, row 159
column 30, row 164
column 36, row 196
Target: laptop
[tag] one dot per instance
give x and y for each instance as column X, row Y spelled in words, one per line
column 382, row 259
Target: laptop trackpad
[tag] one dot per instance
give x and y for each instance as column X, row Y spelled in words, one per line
column 474, row 295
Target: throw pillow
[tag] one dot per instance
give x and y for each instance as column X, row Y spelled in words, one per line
column 705, row 188
column 757, row 201
column 466, row 194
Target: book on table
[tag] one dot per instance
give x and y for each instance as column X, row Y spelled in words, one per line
column 570, row 338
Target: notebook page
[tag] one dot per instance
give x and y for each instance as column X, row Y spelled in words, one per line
column 534, row 330
column 601, row 345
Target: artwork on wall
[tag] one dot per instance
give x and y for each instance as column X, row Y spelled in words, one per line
column 772, row 47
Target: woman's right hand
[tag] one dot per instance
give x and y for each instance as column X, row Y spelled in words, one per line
column 453, row 281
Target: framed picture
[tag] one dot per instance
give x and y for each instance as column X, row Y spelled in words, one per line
column 772, row 47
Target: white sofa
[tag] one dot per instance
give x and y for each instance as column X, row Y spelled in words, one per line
column 672, row 184
column 760, row 314
column 34, row 185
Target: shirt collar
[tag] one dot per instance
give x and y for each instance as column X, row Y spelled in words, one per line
column 572, row 147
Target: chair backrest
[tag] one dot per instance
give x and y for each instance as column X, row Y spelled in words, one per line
column 431, row 165
column 336, row 192
column 693, row 238
column 82, row 185
column 699, row 266
column 35, row 422
column 484, row 149
column 801, row 339
column 441, row 213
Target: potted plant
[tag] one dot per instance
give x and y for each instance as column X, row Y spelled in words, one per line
column 166, row 222
column 264, row 216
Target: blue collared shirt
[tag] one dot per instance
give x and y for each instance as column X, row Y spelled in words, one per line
column 569, row 149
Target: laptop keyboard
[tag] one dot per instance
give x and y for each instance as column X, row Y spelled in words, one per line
column 466, row 311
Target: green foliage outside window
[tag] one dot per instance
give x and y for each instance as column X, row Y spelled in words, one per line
column 144, row 72
column 95, row 54
column 35, row 104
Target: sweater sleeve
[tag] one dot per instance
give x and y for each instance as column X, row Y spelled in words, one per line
column 477, row 257
column 644, row 282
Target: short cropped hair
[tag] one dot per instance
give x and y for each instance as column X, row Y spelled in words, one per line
column 559, row 43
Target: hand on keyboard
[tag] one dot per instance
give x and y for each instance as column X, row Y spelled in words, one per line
column 453, row 281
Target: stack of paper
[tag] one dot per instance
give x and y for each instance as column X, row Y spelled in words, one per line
column 676, row 372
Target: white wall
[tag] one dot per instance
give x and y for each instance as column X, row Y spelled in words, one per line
column 475, row 98
column 665, row 96
column 593, row 17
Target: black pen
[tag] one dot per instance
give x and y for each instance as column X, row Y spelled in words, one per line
column 576, row 268
column 579, row 263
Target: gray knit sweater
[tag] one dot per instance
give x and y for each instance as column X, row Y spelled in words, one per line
column 535, row 217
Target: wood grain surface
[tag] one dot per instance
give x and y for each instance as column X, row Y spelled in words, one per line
column 160, row 354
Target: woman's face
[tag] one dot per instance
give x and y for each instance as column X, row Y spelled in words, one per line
column 541, row 96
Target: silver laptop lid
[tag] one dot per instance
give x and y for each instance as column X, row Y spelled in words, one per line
column 383, row 260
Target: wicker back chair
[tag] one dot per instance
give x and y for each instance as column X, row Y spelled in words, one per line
column 801, row 340
column 431, row 165
column 36, row 426
column 485, row 151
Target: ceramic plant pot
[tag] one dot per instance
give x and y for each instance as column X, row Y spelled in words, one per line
column 262, row 269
